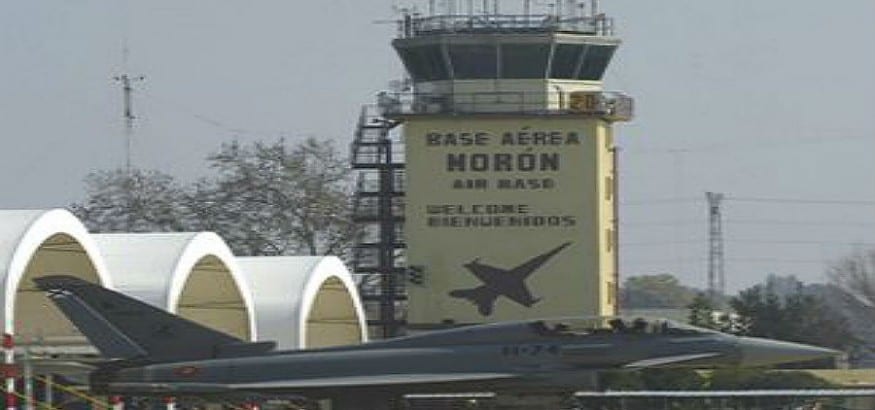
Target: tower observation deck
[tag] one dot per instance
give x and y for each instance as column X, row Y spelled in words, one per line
column 526, row 63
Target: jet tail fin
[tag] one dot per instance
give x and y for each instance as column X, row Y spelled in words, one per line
column 120, row 326
column 108, row 340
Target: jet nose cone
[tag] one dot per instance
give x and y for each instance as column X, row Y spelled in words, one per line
column 764, row 352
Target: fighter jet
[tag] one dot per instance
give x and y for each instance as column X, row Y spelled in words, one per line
column 509, row 283
column 156, row 353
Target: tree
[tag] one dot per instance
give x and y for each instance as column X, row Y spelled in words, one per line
column 855, row 274
column 267, row 199
column 703, row 313
column 655, row 291
column 796, row 317
column 264, row 199
column 135, row 201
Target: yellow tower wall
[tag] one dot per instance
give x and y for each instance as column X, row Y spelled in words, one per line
column 500, row 191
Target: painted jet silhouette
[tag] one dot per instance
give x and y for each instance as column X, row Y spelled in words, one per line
column 509, row 283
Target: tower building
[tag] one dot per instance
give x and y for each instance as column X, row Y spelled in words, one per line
column 510, row 208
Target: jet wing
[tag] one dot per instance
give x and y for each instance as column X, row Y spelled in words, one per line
column 528, row 267
column 372, row 381
column 301, row 384
column 481, row 296
column 487, row 272
column 224, row 391
column 669, row 360
column 165, row 388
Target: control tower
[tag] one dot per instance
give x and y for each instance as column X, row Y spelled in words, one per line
column 510, row 209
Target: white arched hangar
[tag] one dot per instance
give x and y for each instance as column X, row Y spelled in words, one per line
column 39, row 243
column 193, row 275
column 298, row 301
column 305, row 302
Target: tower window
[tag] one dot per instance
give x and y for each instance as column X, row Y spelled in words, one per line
column 425, row 63
column 595, row 62
column 524, row 60
column 474, row 61
column 565, row 60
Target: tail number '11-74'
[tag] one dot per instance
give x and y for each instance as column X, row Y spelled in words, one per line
column 530, row 350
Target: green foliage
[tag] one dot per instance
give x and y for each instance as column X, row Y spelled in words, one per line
column 703, row 313
column 652, row 379
column 621, row 380
column 672, row 379
column 724, row 379
column 691, row 380
column 758, row 379
column 655, row 291
column 795, row 317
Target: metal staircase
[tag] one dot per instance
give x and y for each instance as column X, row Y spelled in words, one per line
column 378, row 210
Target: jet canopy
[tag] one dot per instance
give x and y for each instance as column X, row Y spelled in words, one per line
column 613, row 325
column 511, row 332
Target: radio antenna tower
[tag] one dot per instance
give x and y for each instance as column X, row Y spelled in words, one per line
column 716, row 278
column 128, row 110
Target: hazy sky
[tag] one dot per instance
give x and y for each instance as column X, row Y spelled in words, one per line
column 762, row 100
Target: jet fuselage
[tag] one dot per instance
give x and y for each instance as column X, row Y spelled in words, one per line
column 163, row 354
column 505, row 358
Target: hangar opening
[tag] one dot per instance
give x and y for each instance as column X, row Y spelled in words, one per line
column 333, row 320
column 304, row 302
column 211, row 297
column 36, row 319
column 192, row 274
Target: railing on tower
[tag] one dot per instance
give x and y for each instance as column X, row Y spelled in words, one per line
column 413, row 25
column 613, row 106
